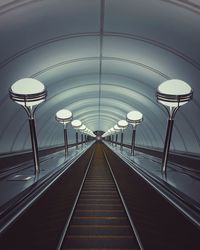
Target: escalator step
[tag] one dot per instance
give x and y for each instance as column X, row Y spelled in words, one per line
column 99, row 220
column 101, row 242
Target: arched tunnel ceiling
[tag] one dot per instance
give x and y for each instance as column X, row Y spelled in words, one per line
column 100, row 59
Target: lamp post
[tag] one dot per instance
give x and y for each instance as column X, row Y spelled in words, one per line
column 134, row 118
column 112, row 130
column 82, row 129
column 117, row 129
column 76, row 124
column 172, row 94
column 109, row 136
column 64, row 116
column 29, row 93
column 86, row 134
column 90, row 133
column 122, row 124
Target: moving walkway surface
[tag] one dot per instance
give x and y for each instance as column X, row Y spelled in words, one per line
column 99, row 219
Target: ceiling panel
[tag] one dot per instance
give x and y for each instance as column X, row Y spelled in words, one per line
column 100, row 59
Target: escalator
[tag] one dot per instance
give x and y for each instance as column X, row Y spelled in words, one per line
column 101, row 203
column 99, row 220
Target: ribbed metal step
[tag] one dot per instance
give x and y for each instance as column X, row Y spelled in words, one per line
column 99, row 220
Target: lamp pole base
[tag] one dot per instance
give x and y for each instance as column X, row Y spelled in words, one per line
column 122, row 137
column 76, row 140
column 167, row 145
column 65, row 141
column 133, row 141
column 34, row 145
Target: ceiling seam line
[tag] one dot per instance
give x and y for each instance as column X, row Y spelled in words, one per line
column 101, row 31
column 180, row 54
column 105, row 58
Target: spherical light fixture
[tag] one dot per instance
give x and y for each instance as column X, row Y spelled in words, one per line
column 117, row 128
column 134, row 117
column 64, row 116
column 29, row 93
column 172, row 94
column 76, row 124
column 82, row 128
column 122, row 124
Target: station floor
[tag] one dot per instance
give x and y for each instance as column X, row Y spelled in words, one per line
column 187, row 182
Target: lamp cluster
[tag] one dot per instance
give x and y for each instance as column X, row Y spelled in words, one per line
column 133, row 118
column 172, row 94
column 65, row 116
column 29, row 93
column 79, row 126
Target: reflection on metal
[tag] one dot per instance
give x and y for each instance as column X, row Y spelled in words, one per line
column 19, row 177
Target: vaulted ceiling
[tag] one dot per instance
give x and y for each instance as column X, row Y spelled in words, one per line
column 100, row 59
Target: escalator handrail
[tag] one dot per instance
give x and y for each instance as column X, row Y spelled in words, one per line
column 62, row 237
column 124, row 204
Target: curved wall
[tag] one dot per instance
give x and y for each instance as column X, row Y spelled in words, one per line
column 100, row 59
